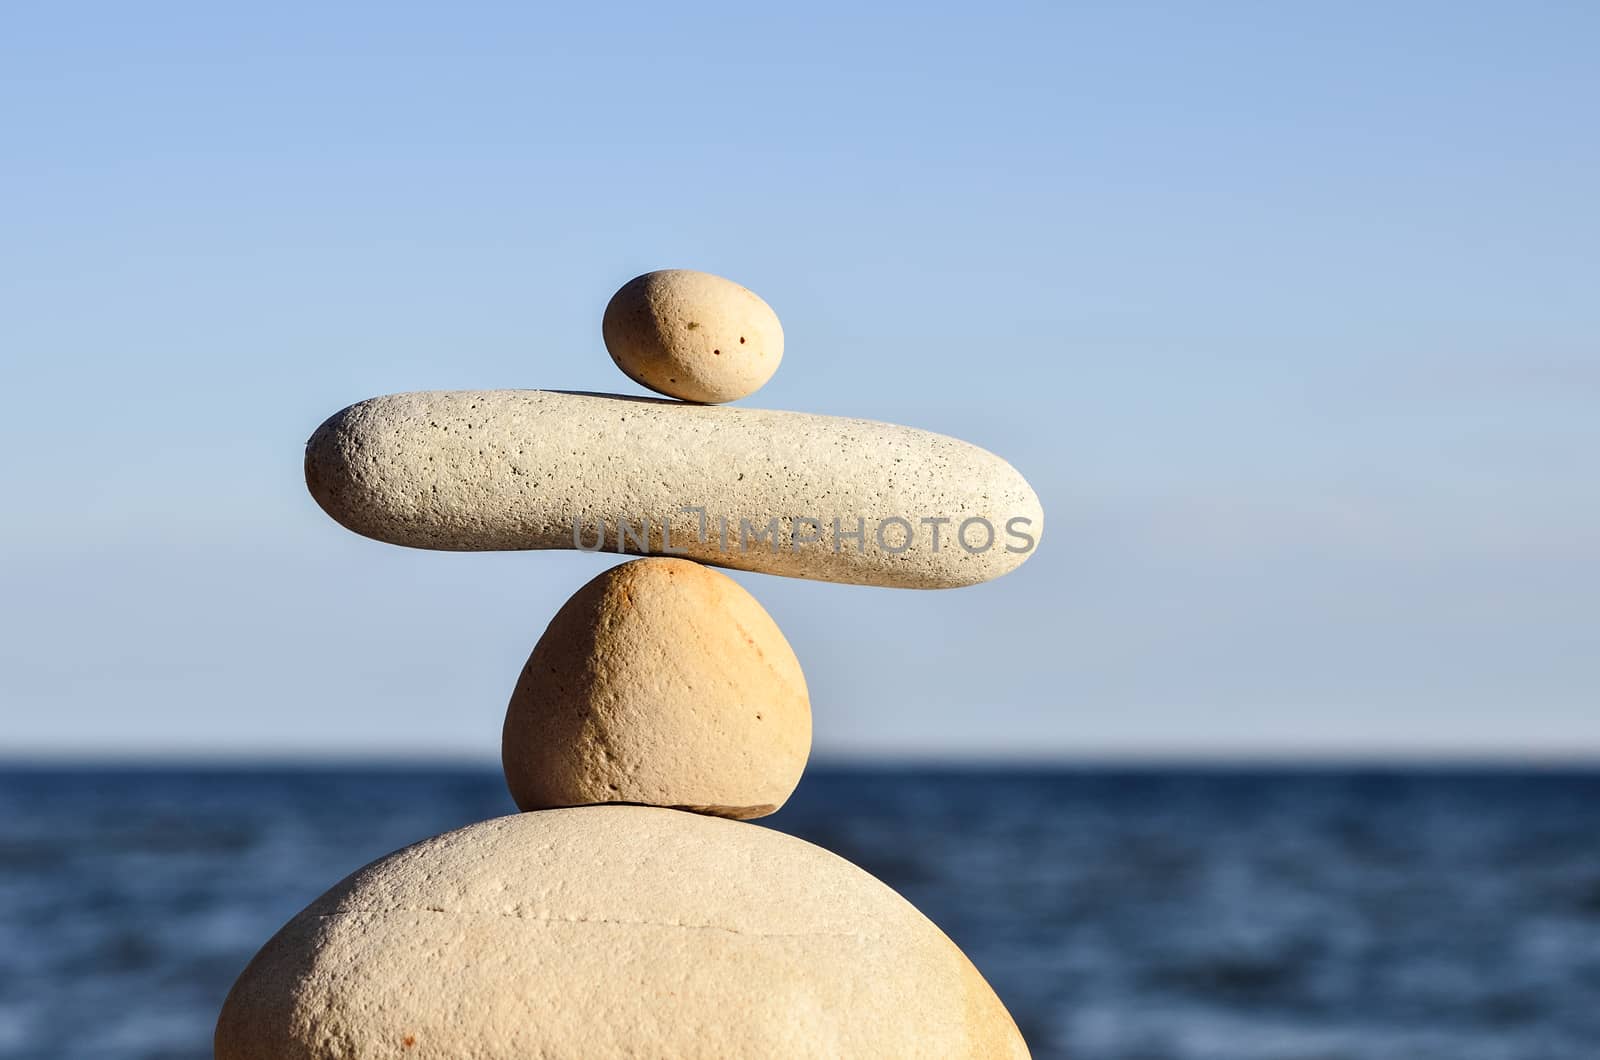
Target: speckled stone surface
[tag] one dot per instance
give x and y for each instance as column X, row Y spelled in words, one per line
column 519, row 469
column 692, row 335
column 659, row 682
column 611, row 931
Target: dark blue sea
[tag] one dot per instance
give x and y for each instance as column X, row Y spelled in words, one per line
column 1121, row 915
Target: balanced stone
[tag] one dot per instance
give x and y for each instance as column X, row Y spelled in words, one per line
column 790, row 493
column 692, row 335
column 611, row 931
column 660, row 682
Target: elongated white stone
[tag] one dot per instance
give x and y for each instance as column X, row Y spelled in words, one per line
column 787, row 493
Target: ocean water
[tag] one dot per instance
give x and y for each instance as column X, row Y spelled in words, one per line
column 1121, row 915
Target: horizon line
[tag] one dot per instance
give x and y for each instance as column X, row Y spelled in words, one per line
column 1412, row 759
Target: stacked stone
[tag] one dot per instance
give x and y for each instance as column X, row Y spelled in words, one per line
column 628, row 911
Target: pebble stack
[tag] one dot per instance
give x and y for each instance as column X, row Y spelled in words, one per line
column 629, row 911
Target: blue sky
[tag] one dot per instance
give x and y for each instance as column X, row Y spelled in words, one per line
column 1288, row 313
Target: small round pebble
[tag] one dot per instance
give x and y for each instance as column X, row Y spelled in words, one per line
column 692, row 335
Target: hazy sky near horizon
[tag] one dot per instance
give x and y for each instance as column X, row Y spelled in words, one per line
column 1288, row 312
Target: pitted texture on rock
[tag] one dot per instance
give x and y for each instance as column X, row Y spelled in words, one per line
column 659, row 682
column 611, row 931
column 692, row 335
column 481, row 470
